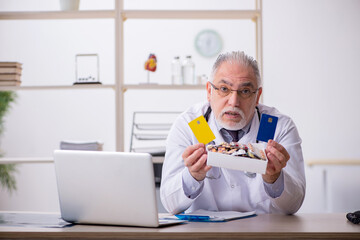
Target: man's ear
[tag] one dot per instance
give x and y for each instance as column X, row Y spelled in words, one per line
column 208, row 90
column 258, row 95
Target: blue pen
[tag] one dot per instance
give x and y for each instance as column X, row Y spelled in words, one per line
column 192, row 217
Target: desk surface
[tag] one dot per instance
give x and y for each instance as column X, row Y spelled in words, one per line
column 267, row 226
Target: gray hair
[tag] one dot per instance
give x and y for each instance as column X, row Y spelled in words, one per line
column 240, row 58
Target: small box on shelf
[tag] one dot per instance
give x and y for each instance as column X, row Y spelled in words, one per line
column 87, row 69
column 10, row 73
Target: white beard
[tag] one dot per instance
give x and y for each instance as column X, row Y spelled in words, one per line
column 234, row 125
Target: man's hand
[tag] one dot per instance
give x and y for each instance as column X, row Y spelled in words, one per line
column 278, row 157
column 195, row 160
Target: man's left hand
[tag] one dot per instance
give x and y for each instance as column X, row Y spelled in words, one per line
column 277, row 159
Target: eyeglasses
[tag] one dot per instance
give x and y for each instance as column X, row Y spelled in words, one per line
column 223, row 91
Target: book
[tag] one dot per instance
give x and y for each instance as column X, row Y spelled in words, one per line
column 8, row 70
column 8, row 77
column 77, row 145
column 202, row 215
column 10, row 64
column 10, row 83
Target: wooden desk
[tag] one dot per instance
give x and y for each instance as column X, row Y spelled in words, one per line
column 267, row 226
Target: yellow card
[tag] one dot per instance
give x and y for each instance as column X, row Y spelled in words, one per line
column 201, row 130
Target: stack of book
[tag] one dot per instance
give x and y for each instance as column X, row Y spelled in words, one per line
column 10, row 73
column 76, row 145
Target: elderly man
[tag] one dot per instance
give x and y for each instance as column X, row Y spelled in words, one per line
column 233, row 113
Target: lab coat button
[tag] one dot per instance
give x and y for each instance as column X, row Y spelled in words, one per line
column 232, row 186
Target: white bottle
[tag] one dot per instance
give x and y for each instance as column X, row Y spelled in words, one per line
column 188, row 71
column 176, row 77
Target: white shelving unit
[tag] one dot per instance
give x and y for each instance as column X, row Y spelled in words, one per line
column 120, row 15
column 55, row 87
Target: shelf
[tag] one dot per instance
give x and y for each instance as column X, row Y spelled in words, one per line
column 318, row 162
column 58, row 87
column 26, row 160
column 191, row 14
column 162, row 87
column 153, row 126
column 149, row 137
column 99, row 86
column 19, row 160
column 133, row 14
column 57, row 15
column 156, row 152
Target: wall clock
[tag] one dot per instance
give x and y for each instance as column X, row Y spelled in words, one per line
column 208, row 43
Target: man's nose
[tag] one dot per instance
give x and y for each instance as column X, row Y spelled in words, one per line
column 234, row 99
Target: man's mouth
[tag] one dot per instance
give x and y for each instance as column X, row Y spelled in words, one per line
column 231, row 114
column 232, row 118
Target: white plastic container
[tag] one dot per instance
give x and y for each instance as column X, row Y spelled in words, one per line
column 238, row 163
column 188, row 71
column 69, row 5
column 176, row 72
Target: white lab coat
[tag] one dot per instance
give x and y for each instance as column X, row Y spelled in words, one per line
column 233, row 190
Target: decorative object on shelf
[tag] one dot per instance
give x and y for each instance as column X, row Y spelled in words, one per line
column 7, row 178
column 188, row 71
column 79, row 145
column 69, row 5
column 10, row 73
column 87, row 69
column 150, row 65
column 176, row 75
column 208, row 43
column 202, row 79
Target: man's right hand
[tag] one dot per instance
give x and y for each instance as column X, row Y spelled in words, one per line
column 195, row 157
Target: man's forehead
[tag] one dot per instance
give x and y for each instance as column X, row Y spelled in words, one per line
column 244, row 82
column 235, row 71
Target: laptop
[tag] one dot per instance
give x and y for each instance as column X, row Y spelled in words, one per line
column 110, row 188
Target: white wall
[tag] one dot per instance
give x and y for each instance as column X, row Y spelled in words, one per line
column 311, row 58
column 311, row 72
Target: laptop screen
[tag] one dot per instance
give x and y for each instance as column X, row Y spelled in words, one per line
column 113, row 188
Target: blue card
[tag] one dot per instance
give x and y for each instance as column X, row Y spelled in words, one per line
column 267, row 127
